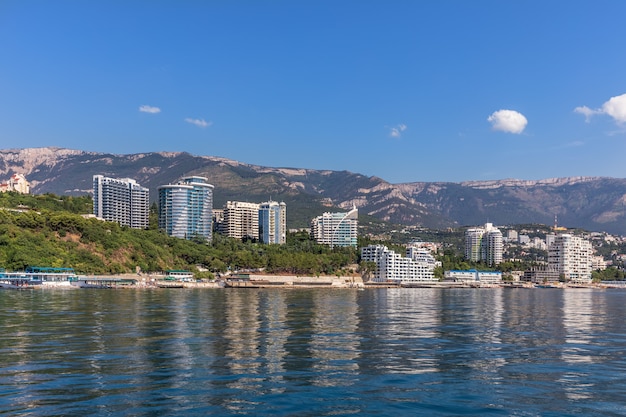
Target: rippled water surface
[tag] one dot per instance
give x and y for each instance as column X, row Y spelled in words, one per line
column 313, row 352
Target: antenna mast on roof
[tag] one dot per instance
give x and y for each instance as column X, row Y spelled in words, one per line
column 555, row 223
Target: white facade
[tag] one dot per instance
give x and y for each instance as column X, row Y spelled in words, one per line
column 391, row 266
column 420, row 254
column 121, row 200
column 538, row 243
column 17, row 183
column 336, row 229
column 474, row 276
column 492, row 245
column 598, row 262
column 241, row 220
column 571, row 256
column 484, row 244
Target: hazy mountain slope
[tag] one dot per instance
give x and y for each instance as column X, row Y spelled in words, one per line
column 590, row 203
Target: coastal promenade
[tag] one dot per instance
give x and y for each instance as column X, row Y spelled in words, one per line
column 241, row 281
column 355, row 282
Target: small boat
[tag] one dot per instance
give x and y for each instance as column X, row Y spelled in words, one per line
column 179, row 275
column 16, row 283
column 545, row 286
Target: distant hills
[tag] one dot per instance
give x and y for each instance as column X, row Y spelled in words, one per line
column 592, row 203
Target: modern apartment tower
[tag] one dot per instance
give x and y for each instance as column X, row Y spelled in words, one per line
column 186, row 208
column 241, row 220
column 484, row 244
column 473, row 243
column 273, row 222
column 492, row 245
column 121, row 200
column 336, row 229
column 571, row 256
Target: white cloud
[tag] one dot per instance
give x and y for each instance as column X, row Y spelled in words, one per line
column 509, row 121
column 614, row 107
column 586, row 111
column 198, row 122
column 396, row 131
column 149, row 109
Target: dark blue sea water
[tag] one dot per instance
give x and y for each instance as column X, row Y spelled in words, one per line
column 313, row 352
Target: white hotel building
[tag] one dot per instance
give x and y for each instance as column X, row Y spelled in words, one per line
column 417, row 266
column 336, row 229
column 484, row 244
column 241, row 220
column 121, row 200
column 572, row 257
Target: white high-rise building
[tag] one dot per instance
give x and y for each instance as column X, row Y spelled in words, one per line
column 336, row 229
column 186, row 208
column 273, row 222
column 492, row 244
column 391, row 266
column 121, row 200
column 473, row 243
column 419, row 254
column 571, row 256
column 550, row 238
column 484, row 244
column 241, row 220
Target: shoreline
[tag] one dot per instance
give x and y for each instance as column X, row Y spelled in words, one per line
column 349, row 282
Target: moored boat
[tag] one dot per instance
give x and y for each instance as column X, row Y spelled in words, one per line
column 16, row 280
column 35, row 276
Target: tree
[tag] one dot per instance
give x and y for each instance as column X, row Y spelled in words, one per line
column 366, row 268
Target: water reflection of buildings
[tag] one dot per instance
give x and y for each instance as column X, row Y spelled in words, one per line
column 275, row 309
column 405, row 337
column 242, row 338
column 335, row 339
column 469, row 334
column 255, row 335
column 272, row 333
column 582, row 313
column 487, row 317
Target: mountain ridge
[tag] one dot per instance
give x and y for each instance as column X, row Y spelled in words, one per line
column 593, row 203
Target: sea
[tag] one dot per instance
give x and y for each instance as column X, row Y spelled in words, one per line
column 313, row 352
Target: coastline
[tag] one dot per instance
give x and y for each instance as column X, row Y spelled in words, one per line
column 347, row 282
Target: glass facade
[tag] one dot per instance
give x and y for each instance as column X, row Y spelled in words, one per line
column 273, row 222
column 336, row 229
column 186, row 208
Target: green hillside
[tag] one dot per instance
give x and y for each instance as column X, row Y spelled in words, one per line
column 48, row 230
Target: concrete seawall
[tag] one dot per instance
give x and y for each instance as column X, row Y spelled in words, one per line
column 292, row 281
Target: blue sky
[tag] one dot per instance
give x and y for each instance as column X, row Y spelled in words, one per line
column 404, row 90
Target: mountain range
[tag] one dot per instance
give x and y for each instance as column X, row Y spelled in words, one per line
column 592, row 203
